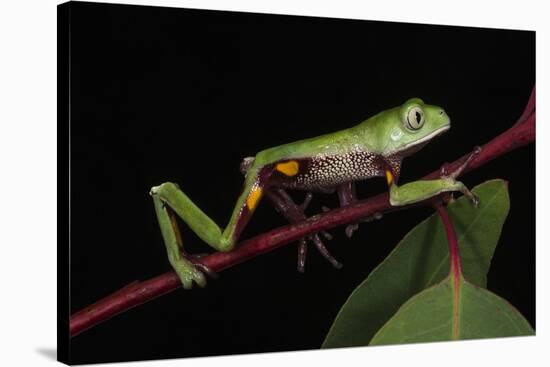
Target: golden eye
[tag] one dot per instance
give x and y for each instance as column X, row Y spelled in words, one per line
column 415, row 118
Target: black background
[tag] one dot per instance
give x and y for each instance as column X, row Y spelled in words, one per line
column 161, row 94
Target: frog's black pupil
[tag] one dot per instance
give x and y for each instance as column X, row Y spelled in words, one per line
column 418, row 117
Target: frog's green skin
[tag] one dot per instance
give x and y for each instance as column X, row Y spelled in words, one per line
column 375, row 147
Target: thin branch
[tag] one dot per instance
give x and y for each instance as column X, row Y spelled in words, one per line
column 137, row 293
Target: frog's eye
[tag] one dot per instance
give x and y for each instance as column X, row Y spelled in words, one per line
column 415, row 118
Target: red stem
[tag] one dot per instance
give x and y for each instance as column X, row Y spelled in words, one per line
column 454, row 253
column 454, row 259
column 137, row 293
column 529, row 108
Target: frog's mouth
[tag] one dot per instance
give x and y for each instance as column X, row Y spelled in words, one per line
column 428, row 137
column 415, row 146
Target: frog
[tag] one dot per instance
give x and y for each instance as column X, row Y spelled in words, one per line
column 328, row 163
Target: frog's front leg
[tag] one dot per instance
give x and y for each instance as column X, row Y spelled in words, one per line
column 169, row 199
column 416, row 191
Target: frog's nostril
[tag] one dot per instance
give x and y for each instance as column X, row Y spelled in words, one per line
column 441, row 112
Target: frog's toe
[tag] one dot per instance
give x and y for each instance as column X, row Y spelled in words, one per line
column 324, row 251
column 199, row 279
column 474, row 199
column 302, row 252
column 444, row 170
column 351, row 228
column 327, row 235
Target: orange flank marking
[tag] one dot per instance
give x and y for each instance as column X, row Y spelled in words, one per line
column 254, row 197
column 389, row 177
column 289, row 168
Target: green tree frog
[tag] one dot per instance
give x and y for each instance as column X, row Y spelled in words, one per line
column 327, row 163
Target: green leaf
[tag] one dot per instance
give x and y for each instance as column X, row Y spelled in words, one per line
column 439, row 313
column 420, row 260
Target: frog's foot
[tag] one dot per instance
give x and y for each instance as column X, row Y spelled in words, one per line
column 454, row 185
column 295, row 213
column 323, row 251
column 453, row 175
column 302, row 251
column 188, row 273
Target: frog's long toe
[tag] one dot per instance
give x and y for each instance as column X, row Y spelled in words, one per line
column 324, row 251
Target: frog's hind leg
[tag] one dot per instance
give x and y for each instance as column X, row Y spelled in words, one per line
column 169, row 200
column 183, row 265
column 293, row 212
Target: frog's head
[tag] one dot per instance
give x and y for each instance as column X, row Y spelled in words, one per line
column 412, row 126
